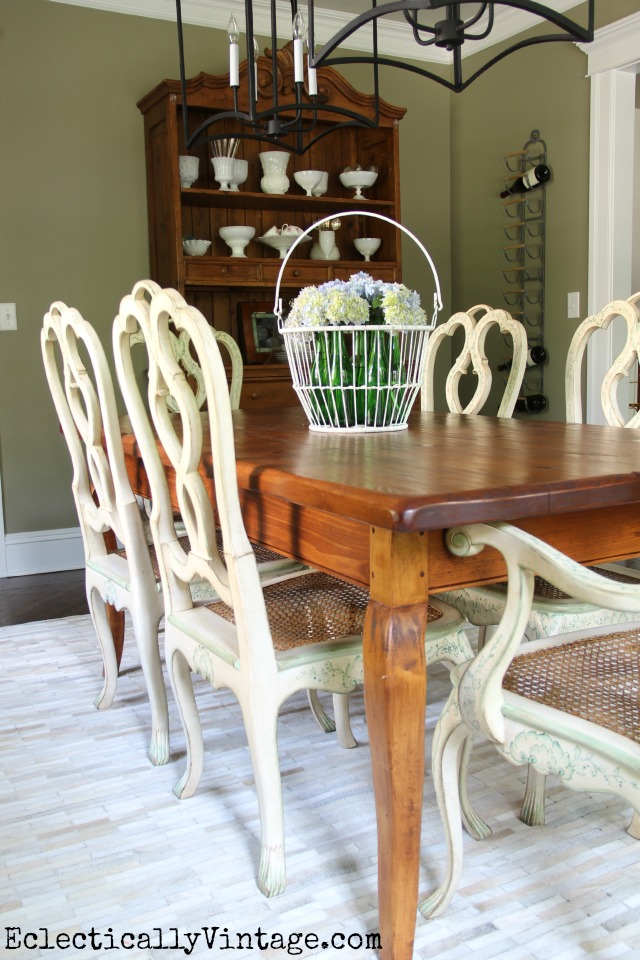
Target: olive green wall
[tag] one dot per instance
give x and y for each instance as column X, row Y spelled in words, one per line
column 74, row 206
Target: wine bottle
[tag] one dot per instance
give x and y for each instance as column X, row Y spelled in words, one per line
column 534, row 403
column 532, row 178
column 535, row 356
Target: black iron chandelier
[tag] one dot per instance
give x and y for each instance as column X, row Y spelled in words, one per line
column 292, row 121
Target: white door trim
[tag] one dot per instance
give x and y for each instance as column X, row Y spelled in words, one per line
column 613, row 61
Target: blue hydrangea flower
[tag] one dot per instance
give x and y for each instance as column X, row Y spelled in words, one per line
column 355, row 302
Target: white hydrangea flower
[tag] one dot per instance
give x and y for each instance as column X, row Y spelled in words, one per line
column 350, row 302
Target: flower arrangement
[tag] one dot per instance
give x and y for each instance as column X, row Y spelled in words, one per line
column 358, row 301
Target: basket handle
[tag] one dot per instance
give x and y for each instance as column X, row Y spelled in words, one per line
column 437, row 300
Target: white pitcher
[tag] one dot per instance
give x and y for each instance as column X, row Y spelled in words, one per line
column 274, row 166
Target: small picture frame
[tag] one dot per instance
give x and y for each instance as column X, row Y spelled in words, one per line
column 259, row 336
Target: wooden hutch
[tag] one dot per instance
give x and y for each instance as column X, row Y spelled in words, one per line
column 218, row 283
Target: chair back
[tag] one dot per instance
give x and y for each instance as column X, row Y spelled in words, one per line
column 145, row 289
column 625, row 362
column 475, row 323
column 181, row 438
column 82, row 389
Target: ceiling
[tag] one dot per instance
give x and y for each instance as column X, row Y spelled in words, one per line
column 394, row 35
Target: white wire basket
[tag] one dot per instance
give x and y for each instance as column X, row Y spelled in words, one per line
column 356, row 379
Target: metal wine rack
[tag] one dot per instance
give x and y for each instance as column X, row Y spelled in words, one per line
column 524, row 252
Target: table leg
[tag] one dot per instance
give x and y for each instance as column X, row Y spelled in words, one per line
column 395, row 698
column 116, row 623
column 115, row 617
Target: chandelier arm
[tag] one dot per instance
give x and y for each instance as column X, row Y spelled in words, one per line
column 251, row 73
column 479, row 15
column 532, row 41
column 411, row 17
column 397, row 6
column 389, row 62
column 274, row 52
column 354, row 120
column 457, row 87
column 583, row 34
column 457, row 67
column 575, row 31
column 486, row 32
column 183, row 78
column 300, row 149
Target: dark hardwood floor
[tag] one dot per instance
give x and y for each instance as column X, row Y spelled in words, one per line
column 42, row 597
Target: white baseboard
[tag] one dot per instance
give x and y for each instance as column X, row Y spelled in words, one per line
column 43, row 551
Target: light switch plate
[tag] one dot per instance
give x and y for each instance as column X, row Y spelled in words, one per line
column 8, row 319
column 573, row 306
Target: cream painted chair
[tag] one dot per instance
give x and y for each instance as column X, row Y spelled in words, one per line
column 83, row 394
column 552, row 610
column 566, row 705
column 255, row 639
column 475, row 324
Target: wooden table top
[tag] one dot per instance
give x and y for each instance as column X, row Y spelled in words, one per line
column 445, row 469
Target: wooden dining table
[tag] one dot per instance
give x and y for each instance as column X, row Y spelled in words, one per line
column 372, row 508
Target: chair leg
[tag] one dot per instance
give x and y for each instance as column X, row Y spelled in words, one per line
column 474, row 825
column 449, row 741
column 322, row 718
column 263, row 746
column 346, row 738
column 98, row 611
column 454, row 656
column 342, row 722
column 180, row 677
column 532, row 812
column 634, row 827
column 145, row 628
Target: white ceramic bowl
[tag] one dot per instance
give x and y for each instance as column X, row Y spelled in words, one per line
column 195, row 248
column 367, row 246
column 308, row 179
column 237, row 238
column 239, row 174
column 223, row 171
column 357, row 179
column 321, row 188
column 281, row 242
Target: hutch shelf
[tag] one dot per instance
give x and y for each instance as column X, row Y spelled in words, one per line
column 218, row 283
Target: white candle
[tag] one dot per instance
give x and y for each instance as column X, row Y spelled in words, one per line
column 313, row 82
column 299, row 30
column 256, row 54
column 234, row 53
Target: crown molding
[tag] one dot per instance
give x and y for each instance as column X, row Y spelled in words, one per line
column 615, row 46
column 394, row 36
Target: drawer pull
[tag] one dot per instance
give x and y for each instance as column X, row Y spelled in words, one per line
column 296, row 273
column 224, row 270
column 255, row 395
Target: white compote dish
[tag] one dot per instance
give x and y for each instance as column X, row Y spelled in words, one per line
column 367, row 246
column 358, row 180
column 237, row 238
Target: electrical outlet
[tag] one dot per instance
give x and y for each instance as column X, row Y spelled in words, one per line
column 8, row 319
column 573, row 306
